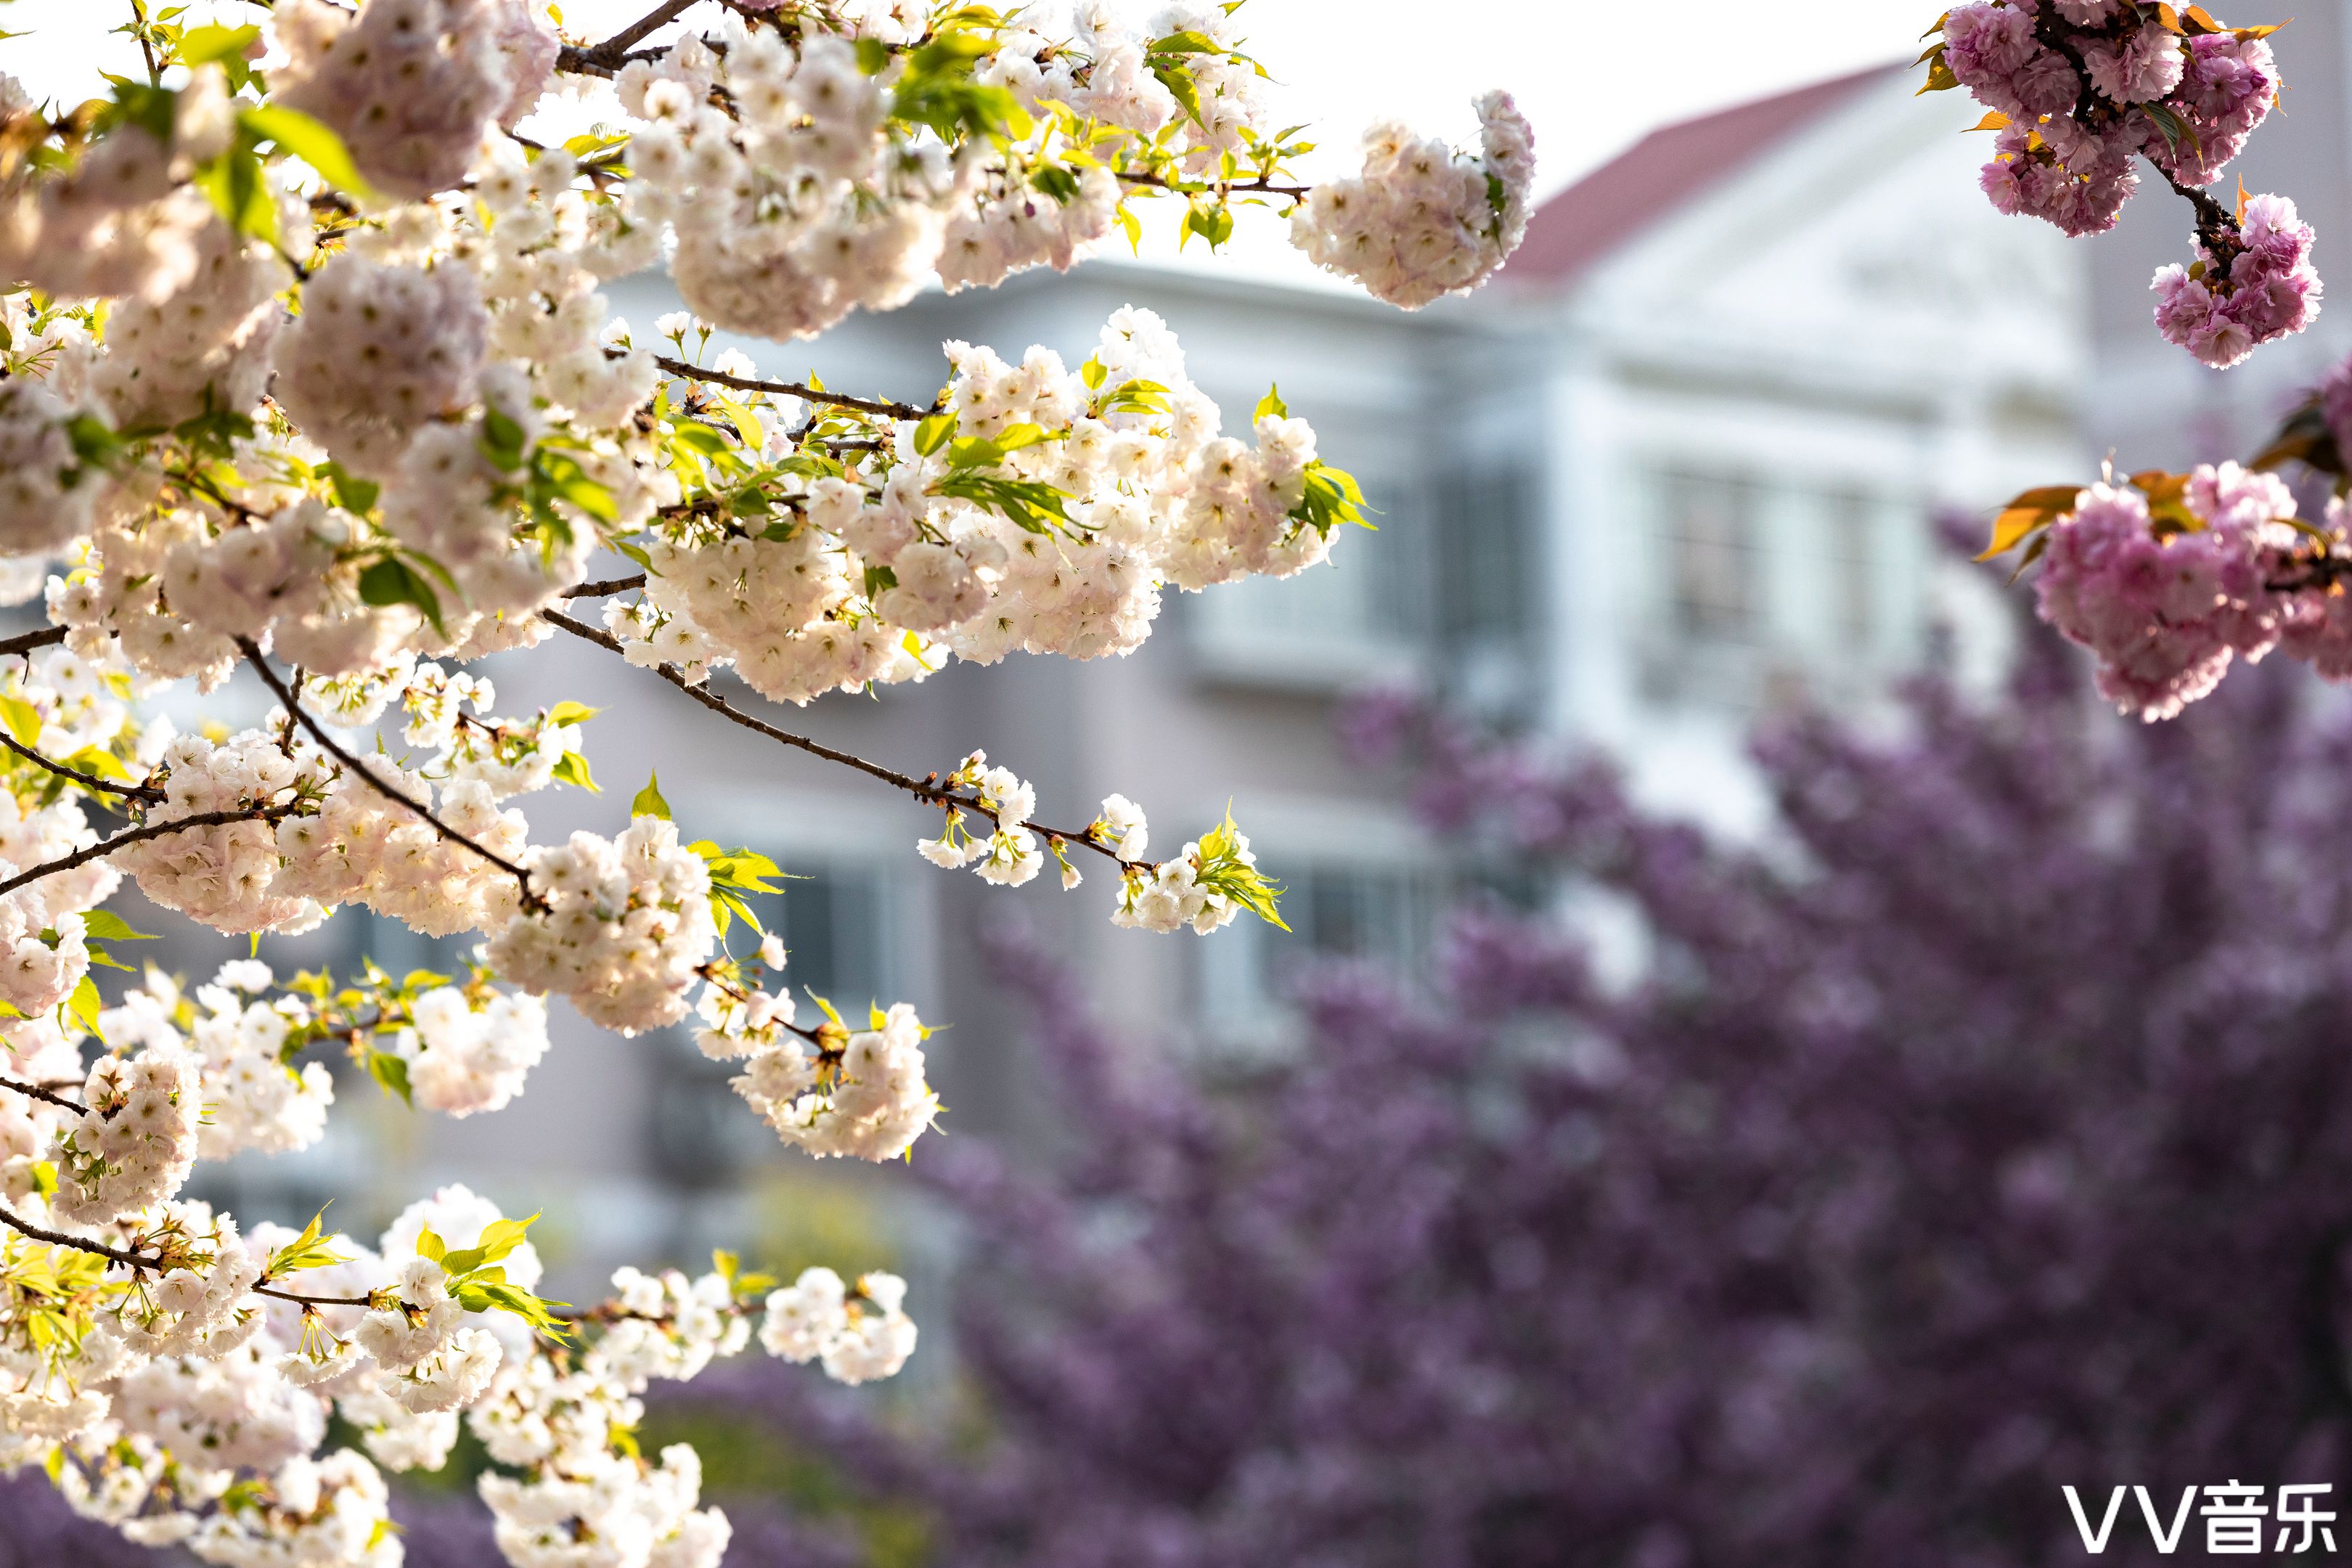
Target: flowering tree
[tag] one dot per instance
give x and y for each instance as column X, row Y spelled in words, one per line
column 1990, row 1132
column 306, row 375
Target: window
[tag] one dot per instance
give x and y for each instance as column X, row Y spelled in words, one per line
column 832, row 918
column 1361, row 616
column 1486, row 565
column 1713, row 561
column 1378, row 914
column 1852, row 557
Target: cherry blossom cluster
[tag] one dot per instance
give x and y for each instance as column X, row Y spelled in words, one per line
column 1422, row 221
column 187, row 1407
column 2260, row 286
column 827, row 1091
column 412, row 86
column 2079, row 91
column 1042, row 510
column 859, row 1335
column 624, row 929
column 135, row 1141
column 808, row 173
column 2169, row 579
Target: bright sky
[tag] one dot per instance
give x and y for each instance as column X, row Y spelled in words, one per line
column 1592, row 75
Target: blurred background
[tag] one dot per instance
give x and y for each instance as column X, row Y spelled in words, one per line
column 1764, row 1068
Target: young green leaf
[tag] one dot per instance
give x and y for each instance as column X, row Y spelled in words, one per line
column 108, row 926
column 308, row 140
column 649, row 801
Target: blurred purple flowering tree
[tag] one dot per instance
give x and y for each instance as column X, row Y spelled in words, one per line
column 1992, row 1131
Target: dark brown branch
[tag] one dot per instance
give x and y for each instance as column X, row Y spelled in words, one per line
column 301, row 1300
column 141, row 1263
column 35, row 1091
column 105, row 847
column 1259, row 187
column 135, row 792
column 924, row 790
column 793, row 389
column 47, row 637
column 610, row 585
column 135, row 1261
column 612, row 50
column 301, row 715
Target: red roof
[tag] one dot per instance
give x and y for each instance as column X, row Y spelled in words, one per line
column 1664, row 171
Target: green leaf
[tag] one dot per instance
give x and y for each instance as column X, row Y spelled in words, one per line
column 429, row 1245
column 307, row 1251
column 573, row 769
column 393, row 580
column 569, row 712
column 934, row 433
column 1185, row 43
column 297, row 133
column 649, row 801
column 1331, row 497
column 202, row 46
column 85, row 1003
column 501, row 1237
column 1032, row 504
column 565, row 477
column 503, row 439
column 108, row 926
column 390, row 1074
column 497, row 1294
column 873, row 56
column 745, row 423
column 1222, row 871
column 701, row 437
column 352, row 493
column 1271, row 403
column 24, row 721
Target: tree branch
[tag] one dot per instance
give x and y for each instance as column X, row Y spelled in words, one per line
column 611, row 52
column 679, row 367
column 301, row 715
column 301, row 1300
column 923, row 790
column 105, row 847
column 47, row 637
column 35, row 1091
column 139, row 1262
column 146, row 793
column 1259, row 187
column 135, row 1262
column 611, row 585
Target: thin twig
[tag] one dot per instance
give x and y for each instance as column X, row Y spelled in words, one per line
column 610, row 585
column 105, row 847
column 147, row 792
column 923, row 790
column 793, row 389
column 47, row 637
column 36, row 1091
column 301, row 1300
column 135, row 1261
column 1259, row 187
column 326, row 744
column 611, row 50
column 141, row 1263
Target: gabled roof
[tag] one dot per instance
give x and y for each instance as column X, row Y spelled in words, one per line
column 1663, row 171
